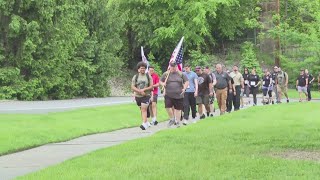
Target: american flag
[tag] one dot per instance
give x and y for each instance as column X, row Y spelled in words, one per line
column 177, row 55
column 144, row 59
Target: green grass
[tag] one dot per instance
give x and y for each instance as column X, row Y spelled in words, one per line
column 234, row 146
column 292, row 93
column 19, row 132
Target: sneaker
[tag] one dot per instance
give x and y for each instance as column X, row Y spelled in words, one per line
column 177, row 124
column 272, row 102
column 142, row 127
column 155, row 123
column 208, row 113
column 287, row 100
column 211, row 115
column 194, row 121
column 149, row 124
column 241, row 106
column 202, row 116
column 171, row 122
column 254, row 104
column 185, row 122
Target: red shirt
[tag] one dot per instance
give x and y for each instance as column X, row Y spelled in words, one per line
column 155, row 79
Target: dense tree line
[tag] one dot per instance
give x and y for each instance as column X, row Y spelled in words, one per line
column 57, row 49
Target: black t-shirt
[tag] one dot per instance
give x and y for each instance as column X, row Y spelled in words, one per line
column 302, row 80
column 203, row 84
column 310, row 77
column 253, row 80
column 245, row 78
column 267, row 79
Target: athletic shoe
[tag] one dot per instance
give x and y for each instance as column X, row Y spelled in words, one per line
column 208, row 113
column 177, row 124
column 185, row 122
column 272, row 102
column 149, row 124
column 194, row 121
column 287, row 100
column 171, row 122
column 202, row 116
column 142, row 127
column 155, row 123
column 211, row 115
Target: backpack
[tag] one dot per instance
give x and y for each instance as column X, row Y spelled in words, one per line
column 137, row 76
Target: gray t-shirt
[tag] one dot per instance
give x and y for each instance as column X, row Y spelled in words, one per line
column 142, row 82
column 191, row 77
column 174, row 84
column 222, row 80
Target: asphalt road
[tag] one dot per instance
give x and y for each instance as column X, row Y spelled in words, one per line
column 35, row 107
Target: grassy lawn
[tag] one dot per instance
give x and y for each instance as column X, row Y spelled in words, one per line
column 234, row 146
column 19, row 132
column 292, row 93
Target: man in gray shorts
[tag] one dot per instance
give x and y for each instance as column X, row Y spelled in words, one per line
column 302, row 84
column 175, row 83
column 204, row 92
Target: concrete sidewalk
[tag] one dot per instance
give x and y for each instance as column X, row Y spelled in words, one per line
column 22, row 163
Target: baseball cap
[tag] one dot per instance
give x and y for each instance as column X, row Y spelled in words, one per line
column 173, row 64
column 198, row 67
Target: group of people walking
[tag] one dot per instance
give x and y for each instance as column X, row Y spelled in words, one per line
column 184, row 91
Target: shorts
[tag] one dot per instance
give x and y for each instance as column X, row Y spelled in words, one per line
column 302, row 89
column 142, row 100
column 171, row 102
column 282, row 89
column 202, row 99
column 155, row 98
column 265, row 91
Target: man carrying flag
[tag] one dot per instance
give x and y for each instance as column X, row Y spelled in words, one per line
column 175, row 83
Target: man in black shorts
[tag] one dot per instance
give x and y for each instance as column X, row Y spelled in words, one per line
column 175, row 83
column 142, row 85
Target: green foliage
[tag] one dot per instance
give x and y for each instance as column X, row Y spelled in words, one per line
column 299, row 33
column 198, row 59
column 249, row 58
column 61, row 49
column 159, row 24
column 153, row 62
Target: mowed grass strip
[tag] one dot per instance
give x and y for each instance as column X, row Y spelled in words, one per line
column 24, row 131
column 293, row 93
column 234, row 146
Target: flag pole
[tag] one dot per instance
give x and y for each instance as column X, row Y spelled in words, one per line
column 173, row 59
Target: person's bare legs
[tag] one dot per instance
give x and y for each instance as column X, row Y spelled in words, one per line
column 177, row 114
column 170, row 113
column 207, row 106
column 211, row 108
column 144, row 108
column 200, row 109
column 154, row 111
